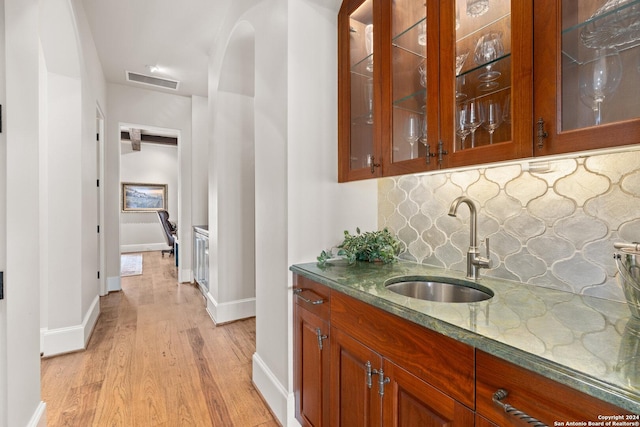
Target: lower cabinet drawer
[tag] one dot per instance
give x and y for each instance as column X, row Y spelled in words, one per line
column 528, row 394
column 312, row 296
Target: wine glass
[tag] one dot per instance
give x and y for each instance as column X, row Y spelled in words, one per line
column 600, row 76
column 368, row 42
column 412, row 130
column 472, row 118
column 461, row 83
column 460, row 59
column 506, row 110
column 491, row 116
column 423, row 129
column 461, row 129
column 368, row 99
column 422, row 70
column 488, row 49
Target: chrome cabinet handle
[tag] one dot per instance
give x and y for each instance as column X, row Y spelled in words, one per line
column 299, row 292
column 497, row 399
column 320, row 338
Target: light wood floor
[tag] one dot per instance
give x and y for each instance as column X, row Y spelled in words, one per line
column 156, row 359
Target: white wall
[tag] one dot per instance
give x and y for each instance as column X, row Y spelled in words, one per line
column 300, row 207
column 199, row 161
column 153, row 164
column 160, row 110
column 19, row 348
column 72, row 85
column 49, row 91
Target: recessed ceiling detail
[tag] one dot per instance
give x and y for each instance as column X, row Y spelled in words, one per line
column 145, row 136
column 152, row 80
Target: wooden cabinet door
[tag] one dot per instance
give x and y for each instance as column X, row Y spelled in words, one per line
column 486, row 94
column 483, row 422
column 355, row 399
column 311, row 365
column 579, row 80
column 409, row 402
column 359, row 90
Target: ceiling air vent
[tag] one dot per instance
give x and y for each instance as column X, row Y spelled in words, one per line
column 152, row 81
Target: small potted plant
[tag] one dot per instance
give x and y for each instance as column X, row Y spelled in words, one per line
column 372, row 246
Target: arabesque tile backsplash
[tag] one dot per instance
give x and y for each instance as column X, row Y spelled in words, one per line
column 548, row 226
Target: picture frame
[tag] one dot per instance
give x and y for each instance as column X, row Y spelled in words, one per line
column 137, row 197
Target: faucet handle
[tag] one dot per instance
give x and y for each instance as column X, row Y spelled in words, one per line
column 486, row 244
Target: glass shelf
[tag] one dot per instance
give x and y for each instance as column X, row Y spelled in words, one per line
column 412, row 102
column 469, row 82
column 613, row 11
column 364, row 67
column 616, row 24
column 409, row 39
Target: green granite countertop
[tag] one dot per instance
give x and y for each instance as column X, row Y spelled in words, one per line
column 589, row 344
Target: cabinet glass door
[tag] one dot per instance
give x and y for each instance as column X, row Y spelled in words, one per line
column 410, row 70
column 587, row 57
column 600, row 62
column 491, row 70
column 483, row 73
column 357, row 88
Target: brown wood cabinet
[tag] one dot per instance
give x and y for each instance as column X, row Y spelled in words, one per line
column 369, row 389
column 357, row 365
column 575, row 89
column 355, row 388
column 312, row 350
column 530, row 394
column 586, row 65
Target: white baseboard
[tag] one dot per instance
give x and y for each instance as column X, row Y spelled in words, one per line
column 274, row 393
column 144, row 247
column 72, row 338
column 230, row 311
column 39, row 417
column 185, row 275
column 113, row 284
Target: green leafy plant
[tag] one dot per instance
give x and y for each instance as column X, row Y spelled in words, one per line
column 371, row 246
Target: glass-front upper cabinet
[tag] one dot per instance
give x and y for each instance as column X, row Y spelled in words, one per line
column 412, row 132
column 359, row 91
column 388, row 63
column 587, row 57
column 486, row 77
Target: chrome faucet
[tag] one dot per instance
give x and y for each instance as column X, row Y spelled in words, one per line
column 474, row 261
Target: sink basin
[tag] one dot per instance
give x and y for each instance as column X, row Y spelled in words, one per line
column 440, row 289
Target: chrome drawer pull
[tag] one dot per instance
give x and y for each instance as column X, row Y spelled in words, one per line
column 299, row 292
column 497, row 399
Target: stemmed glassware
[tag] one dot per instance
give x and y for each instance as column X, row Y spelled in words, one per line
column 461, row 129
column 600, row 76
column 412, row 130
column 506, row 110
column 488, row 49
column 368, row 42
column 423, row 129
column 491, row 116
column 472, row 118
column 368, row 99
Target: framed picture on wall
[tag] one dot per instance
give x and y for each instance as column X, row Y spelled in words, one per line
column 143, row 197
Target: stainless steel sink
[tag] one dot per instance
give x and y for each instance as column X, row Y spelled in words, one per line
column 440, row 289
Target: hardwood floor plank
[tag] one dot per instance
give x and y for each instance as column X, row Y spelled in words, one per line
column 156, row 359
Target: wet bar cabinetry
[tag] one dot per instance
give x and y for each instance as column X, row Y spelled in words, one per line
column 358, row 365
column 413, row 99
